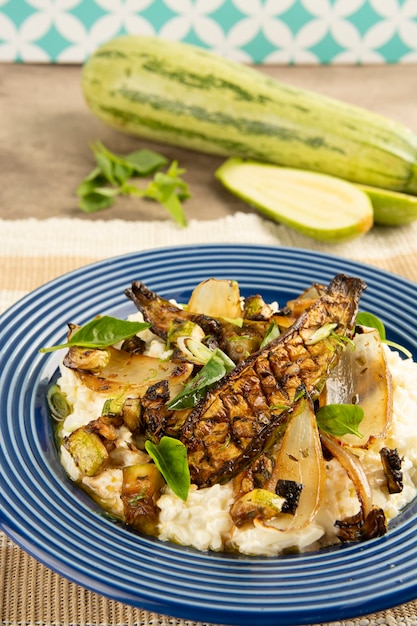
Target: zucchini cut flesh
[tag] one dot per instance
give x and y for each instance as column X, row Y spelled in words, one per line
column 317, row 205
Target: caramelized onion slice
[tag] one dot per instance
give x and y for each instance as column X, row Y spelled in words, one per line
column 300, row 460
column 362, row 377
column 370, row 521
column 305, row 299
column 354, row 469
column 216, row 298
column 127, row 373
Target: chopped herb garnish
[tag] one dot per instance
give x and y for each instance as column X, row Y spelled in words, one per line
column 300, row 392
column 101, row 332
column 280, row 407
column 170, row 457
column 321, row 333
column 342, row 340
column 236, row 321
column 138, row 497
column 327, row 331
column 272, row 333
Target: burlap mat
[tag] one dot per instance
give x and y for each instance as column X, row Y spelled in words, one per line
column 35, row 251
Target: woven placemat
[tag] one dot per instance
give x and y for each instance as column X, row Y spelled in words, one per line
column 33, row 252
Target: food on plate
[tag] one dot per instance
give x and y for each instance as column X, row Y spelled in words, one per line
column 234, row 423
column 317, row 205
column 229, row 423
column 175, row 93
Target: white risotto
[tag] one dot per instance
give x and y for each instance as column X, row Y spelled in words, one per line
column 203, row 521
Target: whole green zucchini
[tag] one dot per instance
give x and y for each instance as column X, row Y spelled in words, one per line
column 178, row 94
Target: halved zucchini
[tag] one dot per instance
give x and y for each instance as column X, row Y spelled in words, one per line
column 317, row 205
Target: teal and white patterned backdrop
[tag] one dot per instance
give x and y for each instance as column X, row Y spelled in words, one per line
column 256, row 31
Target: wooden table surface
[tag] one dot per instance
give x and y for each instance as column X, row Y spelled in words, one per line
column 46, row 128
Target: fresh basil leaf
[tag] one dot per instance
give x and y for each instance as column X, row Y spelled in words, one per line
column 340, row 419
column 86, row 187
column 173, row 205
column 106, row 166
column 216, row 367
column 169, row 189
column 108, row 192
column 170, row 457
column 364, row 318
column 139, row 163
column 92, row 202
column 145, row 162
column 113, row 167
column 372, row 321
column 226, row 360
column 90, row 192
column 90, row 182
column 94, row 174
column 122, row 172
column 127, row 189
column 101, row 332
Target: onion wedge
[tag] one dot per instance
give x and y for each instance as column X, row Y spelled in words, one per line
column 354, row 470
column 127, row 373
column 216, row 298
column 370, row 521
column 362, row 377
column 300, row 460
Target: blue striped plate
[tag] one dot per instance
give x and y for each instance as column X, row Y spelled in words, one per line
column 50, row 518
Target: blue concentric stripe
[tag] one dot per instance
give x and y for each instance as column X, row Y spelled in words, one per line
column 50, row 518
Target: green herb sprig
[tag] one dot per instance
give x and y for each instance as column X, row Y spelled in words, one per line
column 272, row 333
column 101, row 332
column 113, row 174
column 327, row 331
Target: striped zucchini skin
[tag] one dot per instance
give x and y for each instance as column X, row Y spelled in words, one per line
column 175, row 93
